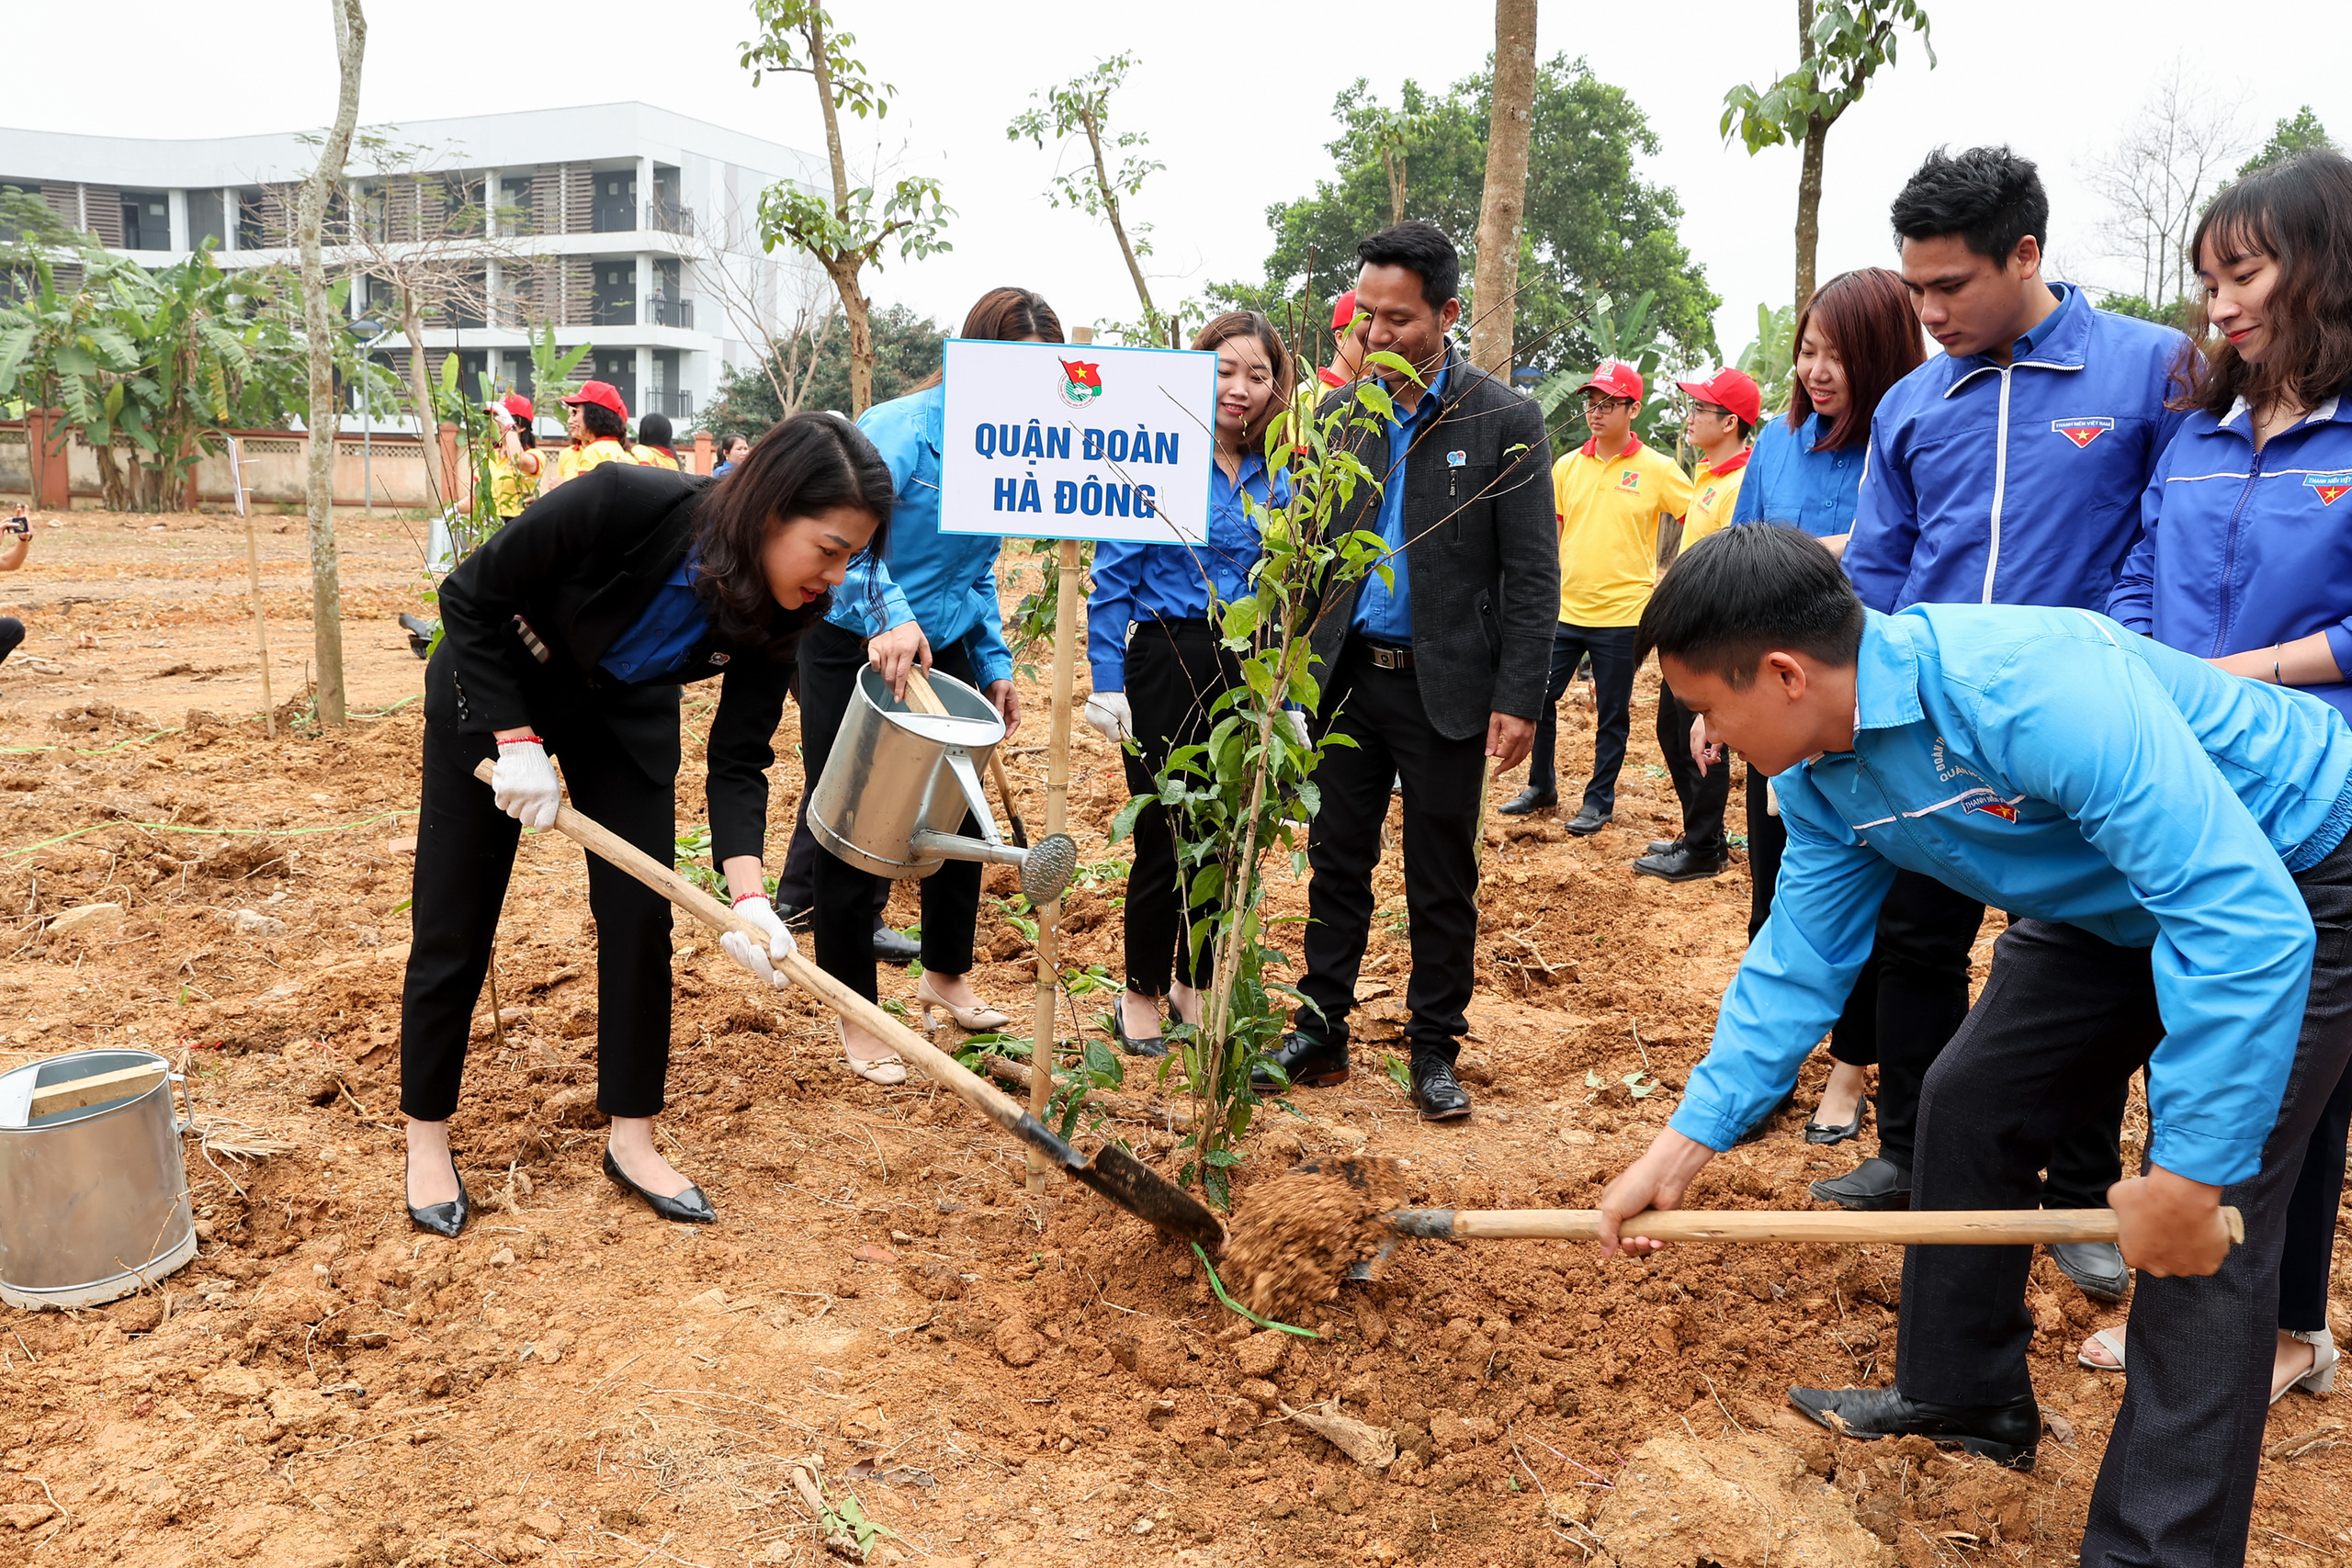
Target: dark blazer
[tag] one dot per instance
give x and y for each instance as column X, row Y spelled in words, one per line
column 580, row 565
column 1481, row 548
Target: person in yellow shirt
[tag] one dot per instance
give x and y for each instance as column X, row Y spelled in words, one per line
column 598, row 420
column 1725, row 406
column 655, row 446
column 1608, row 498
column 515, row 467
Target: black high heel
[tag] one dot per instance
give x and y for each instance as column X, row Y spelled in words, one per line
column 1155, row 1045
column 688, row 1208
column 444, row 1220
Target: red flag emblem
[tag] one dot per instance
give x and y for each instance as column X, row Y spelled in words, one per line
column 1992, row 807
column 2083, row 432
column 2328, row 486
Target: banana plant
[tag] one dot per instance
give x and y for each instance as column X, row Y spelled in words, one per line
column 1619, row 330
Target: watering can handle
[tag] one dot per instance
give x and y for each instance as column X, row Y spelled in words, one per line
column 967, row 779
column 187, row 1101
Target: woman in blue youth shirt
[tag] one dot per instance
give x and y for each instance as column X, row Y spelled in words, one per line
column 2241, row 562
column 930, row 601
column 1157, row 665
column 1856, row 337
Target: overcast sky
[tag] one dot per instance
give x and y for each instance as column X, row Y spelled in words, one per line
column 1236, row 99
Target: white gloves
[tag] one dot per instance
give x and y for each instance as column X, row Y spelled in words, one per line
column 1109, row 712
column 523, row 783
column 747, row 952
column 1296, row 721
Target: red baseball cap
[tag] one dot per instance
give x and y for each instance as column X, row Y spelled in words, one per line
column 1344, row 312
column 516, row 404
column 1728, row 388
column 1617, row 378
column 604, row 394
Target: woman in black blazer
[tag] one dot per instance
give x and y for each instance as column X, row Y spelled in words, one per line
column 569, row 634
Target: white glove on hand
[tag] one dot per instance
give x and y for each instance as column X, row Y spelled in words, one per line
column 1109, row 712
column 747, row 952
column 1296, row 720
column 523, row 783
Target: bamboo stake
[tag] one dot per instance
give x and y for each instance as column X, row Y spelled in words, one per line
column 252, row 574
column 1910, row 1228
column 1041, row 1057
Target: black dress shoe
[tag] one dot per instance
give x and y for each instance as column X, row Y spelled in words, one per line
column 1874, row 1184
column 1661, row 846
column 1309, row 1062
column 1590, row 820
column 1151, row 1046
column 892, row 946
column 2097, row 1266
column 1683, row 863
column 1814, row 1133
column 1531, row 799
column 444, row 1220
column 2005, row 1434
column 688, row 1208
column 1437, row 1091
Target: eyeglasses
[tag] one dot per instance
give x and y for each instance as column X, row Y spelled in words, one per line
column 1600, row 402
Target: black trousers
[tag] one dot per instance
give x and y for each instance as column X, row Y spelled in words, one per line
column 1703, row 795
column 1611, row 651
column 2064, row 1020
column 1854, row 1040
column 465, row 853
column 1381, row 710
column 1175, row 671
column 844, row 899
column 2309, row 1246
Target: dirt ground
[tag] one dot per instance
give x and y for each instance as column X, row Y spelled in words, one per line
column 971, row 1372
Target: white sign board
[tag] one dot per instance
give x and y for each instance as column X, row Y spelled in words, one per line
column 1077, row 441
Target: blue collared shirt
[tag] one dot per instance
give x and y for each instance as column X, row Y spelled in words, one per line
column 945, row 583
column 1793, row 486
column 1139, row 582
column 1383, row 612
column 2048, row 762
column 664, row 634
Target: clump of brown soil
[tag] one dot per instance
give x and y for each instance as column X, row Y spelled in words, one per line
column 1295, row 1241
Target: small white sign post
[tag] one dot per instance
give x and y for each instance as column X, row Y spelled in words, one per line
column 1070, row 442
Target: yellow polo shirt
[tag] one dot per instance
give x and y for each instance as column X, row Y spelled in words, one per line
column 1714, row 493
column 577, row 460
column 1609, row 512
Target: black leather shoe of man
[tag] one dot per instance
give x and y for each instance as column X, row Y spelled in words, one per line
column 893, row 946
column 1437, row 1091
column 2005, row 1434
column 1661, row 846
column 1682, row 862
column 1529, row 799
column 1874, row 1184
column 2097, row 1266
column 1311, row 1064
column 1590, row 820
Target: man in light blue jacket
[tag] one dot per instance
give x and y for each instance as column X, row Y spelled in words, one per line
column 2170, row 841
column 2004, row 470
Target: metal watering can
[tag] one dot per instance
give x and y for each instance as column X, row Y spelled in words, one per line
column 899, row 781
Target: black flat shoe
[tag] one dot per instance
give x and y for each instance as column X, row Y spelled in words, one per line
column 1814, row 1133
column 1437, row 1092
column 1590, row 820
column 1152, row 1045
column 1310, row 1064
column 1529, row 799
column 1683, row 863
column 688, row 1208
column 2005, row 1434
column 2096, row 1267
column 444, row 1220
column 1874, row 1184
column 893, row 946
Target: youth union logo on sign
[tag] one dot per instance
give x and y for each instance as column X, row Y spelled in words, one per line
column 1081, row 383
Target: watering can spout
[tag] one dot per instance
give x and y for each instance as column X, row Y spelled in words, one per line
column 1045, row 866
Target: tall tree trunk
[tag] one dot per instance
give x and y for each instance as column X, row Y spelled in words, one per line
column 1502, row 211
column 1110, row 208
column 420, row 395
column 1393, row 159
column 1817, row 136
column 320, row 326
column 843, row 268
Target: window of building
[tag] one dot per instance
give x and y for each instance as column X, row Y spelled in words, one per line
column 615, row 201
column 205, row 225
column 146, row 220
column 616, row 293
column 252, row 230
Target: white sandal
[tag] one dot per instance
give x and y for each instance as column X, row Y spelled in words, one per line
column 2321, row 1378
column 2113, row 1339
column 890, row 1071
column 977, row 1019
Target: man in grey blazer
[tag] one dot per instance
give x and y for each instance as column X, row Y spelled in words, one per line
column 1430, row 677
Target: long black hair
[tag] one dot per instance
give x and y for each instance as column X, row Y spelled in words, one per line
column 2298, row 213
column 810, row 463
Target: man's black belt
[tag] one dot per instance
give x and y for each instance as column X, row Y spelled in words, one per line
column 1386, row 655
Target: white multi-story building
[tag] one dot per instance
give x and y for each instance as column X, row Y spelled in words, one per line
column 621, row 225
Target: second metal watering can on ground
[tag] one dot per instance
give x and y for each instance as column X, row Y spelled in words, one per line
column 900, row 780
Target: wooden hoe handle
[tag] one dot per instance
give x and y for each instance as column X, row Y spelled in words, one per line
column 1980, row 1227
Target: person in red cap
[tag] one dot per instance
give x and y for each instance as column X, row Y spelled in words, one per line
column 514, row 467
column 1609, row 498
column 598, row 420
column 1348, row 326
column 1725, row 406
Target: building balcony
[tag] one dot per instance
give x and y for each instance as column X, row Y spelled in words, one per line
column 678, row 405
column 673, row 313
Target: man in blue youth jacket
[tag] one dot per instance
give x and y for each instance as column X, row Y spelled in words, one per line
column 2005, row 470
column 2170, row 841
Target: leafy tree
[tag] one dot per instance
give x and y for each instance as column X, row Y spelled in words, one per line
column 849, row 232
column 1081, row 106
column 2297, row 132
column 1592, row 225
column 1619, row 331
column 1840, row 47
column 2183, row 313
column 906, row 349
